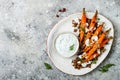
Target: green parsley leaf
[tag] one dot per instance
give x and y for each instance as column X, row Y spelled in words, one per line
column 81, row 60
column 101, row 32
column 106, row 67
column 98, row 18
column 85, row 35
column 48, row 66
column 83, row 29
column 94, row 61
column 71, row 47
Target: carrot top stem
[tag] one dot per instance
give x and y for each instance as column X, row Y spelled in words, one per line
column 96, row 13
column 84, row 11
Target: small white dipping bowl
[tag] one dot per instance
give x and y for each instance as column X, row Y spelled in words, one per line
column 66, row 44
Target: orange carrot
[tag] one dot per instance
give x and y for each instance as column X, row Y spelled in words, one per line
column 94, row 19
column 83, row 25
column 92, row 25
column 87, row 48
column 95, row 34
column 95, row 55
column 88, row 35
column 96, row 46
column 104, row 42
column 98, row 30
column 83, row 20
column 81, row 35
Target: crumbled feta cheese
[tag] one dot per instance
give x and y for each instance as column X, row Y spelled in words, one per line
column 87, row 42
column 84, row 64
column 89, row 62
column 80, row 56
column 79, row 62
column 86, row 30
column 94, row 56
column 94, row 38
column 84, row 53
column 94, row 28
column 86, row 57
column 99, row 23
column 86, row 24
column 91, row 29
column 98, row 51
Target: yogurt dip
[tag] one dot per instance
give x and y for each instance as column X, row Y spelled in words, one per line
column 67, row 44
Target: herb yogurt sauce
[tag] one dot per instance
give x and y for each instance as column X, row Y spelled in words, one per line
column 66, row 44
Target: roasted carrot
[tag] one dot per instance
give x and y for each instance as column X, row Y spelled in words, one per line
column 83, row 20
column 81, row 35
column 88, row 35
column 104, row 42
column 94, row 19
column 87, row 48
column 95, row 55
column 92, row 25
column 96, row 45
column 83, row 25
column 98, row 30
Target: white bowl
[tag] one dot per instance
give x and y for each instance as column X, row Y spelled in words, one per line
column 64, row 41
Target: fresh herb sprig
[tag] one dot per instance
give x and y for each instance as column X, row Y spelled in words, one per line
column 106, row 67
column 98, row 18
column 94, row 61
column 72, row 47
column 48, row 66
column 83, row 29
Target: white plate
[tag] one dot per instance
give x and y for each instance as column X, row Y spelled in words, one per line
column 65, row 25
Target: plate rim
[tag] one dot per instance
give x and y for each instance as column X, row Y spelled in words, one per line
column 47, row 51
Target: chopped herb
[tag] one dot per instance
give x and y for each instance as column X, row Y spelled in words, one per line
column 81, row 60
column 94, row 61
column 83, row 29
column 98, row 18
column 71, row 47
column 106, row 67
column 48, row 66
column 101, row 32
column 85, row 35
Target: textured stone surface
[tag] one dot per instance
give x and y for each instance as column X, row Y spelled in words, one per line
column 24, row 26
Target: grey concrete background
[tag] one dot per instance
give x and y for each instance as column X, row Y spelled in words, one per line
column 24, row 26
